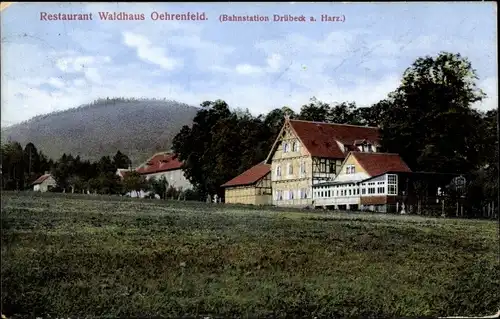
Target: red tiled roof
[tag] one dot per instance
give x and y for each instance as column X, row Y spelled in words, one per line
column 381, row 163
column 320, row 138
column 160, row 163
column 250, row 176
column 41, row 179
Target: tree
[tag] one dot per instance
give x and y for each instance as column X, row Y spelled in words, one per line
column 121, row 160
column 276, row 118
column 343, row 113
column 372, row 116
column 75, row 183
column 429, row 120
column 133, row 181
column 13, row 166
column 159, row 186
column 31, row 163
column 193, row 145
column 221, row 144
column 63, row 170
column 46, row 164
column 93, row 185
column 315, row 111
column 105, row 165
column 109, row 183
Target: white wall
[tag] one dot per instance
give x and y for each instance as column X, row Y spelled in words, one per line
column 44, row 186
column 175, row 178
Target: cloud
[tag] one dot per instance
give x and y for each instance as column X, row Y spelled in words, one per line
column 490, row 87
column 149, row 52
column 248, row 69
column 55, row 82
column 258, row 68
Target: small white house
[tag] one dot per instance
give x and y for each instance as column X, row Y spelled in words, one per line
column 163, row 164
column 44, row 183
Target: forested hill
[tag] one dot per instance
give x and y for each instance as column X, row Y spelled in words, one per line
column 137, row 127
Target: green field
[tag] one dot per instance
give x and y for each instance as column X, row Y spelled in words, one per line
column 77, row 256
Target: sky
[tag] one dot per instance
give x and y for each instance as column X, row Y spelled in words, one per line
column 55, row 65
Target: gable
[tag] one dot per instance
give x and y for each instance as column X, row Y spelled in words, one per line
column 380, row 163
column 359, row 172
column 289, row 136
column 351, row 161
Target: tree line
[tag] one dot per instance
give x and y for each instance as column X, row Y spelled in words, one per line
column 21, row 167
column 429, row 120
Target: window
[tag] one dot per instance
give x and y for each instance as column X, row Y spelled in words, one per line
column 278, row 171
column 392, row 184
column 349, row 169
column 380, row 190
column 331, row 167
column 363, row 191
column 350, row 192
column 337, row 193
column 303, row 193
column 279, row 195
column 371, row 190
column 290, row 194
column 322, row 165
column 302, row 168
column 285, row 148
column 295, row 147
column 328, row 194
column 290, row 169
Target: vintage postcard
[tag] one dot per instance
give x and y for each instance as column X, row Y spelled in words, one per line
column 226, row 159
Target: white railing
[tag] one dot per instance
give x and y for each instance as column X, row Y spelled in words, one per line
column 344, row 200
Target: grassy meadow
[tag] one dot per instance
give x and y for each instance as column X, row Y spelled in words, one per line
column 74, row 256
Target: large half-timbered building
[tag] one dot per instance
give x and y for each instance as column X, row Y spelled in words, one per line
column 306, row 153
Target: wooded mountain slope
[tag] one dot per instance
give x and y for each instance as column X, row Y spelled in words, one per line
column 137, row 127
